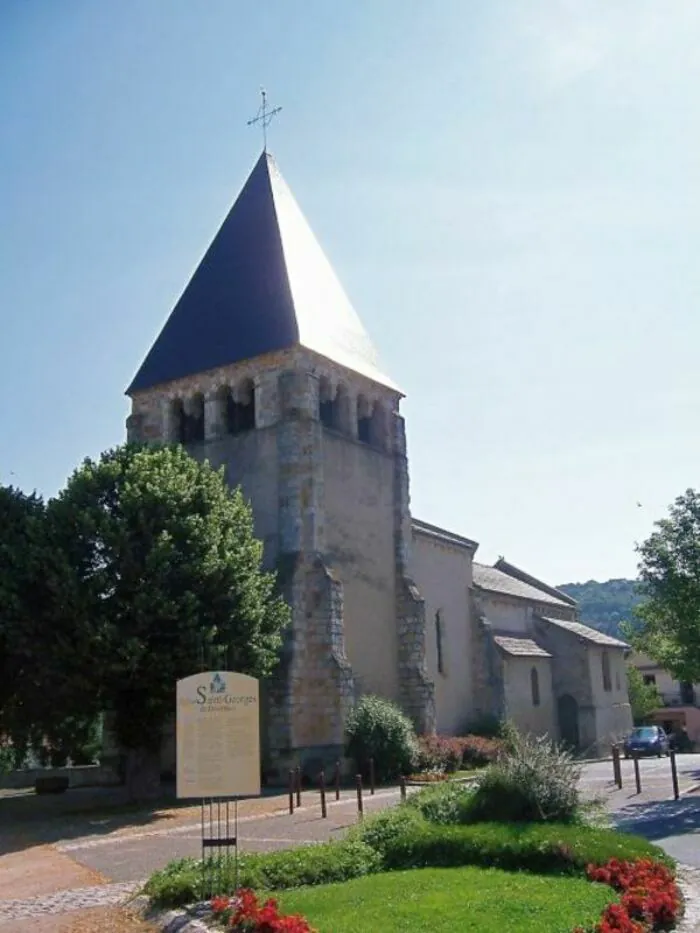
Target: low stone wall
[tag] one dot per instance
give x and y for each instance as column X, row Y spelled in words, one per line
column 79, row 776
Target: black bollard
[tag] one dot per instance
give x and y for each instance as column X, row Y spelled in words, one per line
column 360, row 806
column 637, row 776
column 298, row 783
column 291, row 791
column 322, row 788
column 337, row 780
column 674, row 774
column 402, row 785
column 617, row 770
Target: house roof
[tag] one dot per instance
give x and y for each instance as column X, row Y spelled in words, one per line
column 495, row 581
column 589, row 634
column 525, row 577
column 263, row 285
column 441, row 534
column 520, row 647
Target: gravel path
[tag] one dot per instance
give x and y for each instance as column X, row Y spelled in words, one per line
column 104, row 895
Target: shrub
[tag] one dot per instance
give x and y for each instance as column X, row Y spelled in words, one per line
column 540, row 848
column 402, row 838
column 490, row 727
column 439, row 753
column 533, row 780
column 478, row 750
column 378, row 831
column 376, row 728
column 443, row 803
column 181, row 882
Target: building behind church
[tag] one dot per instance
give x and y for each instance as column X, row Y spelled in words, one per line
column 265, row 368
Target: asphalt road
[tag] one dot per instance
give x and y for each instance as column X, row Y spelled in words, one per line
column 674, row 825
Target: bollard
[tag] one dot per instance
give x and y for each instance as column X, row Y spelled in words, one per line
column 617, row 770
column 637, row 777
column 337, row 780
column 674, row 774
column 322, row 788
column 298, row 783
column 371, row 776
column 360, row 807
column 402, row 785
column 291, row 791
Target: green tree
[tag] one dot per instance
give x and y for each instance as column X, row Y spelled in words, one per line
column 169, row 574
column 668, row 629
column 644, row 698
column 37, row 632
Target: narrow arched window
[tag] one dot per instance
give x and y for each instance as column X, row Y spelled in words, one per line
column 535, row 686
column 607, row 682
column 438, row 642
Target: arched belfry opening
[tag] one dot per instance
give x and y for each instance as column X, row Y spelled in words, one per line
column 194, row 419
column 178, row 422
column 240, row 407
column 327, row 405
column 371, row 423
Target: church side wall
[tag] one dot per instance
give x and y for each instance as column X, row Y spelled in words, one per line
column 612, row 709
column 359, row 532
column 520, row 708
column 443, row 574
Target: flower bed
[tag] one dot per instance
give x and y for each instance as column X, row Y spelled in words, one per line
column 243, row 913
column 650, row 900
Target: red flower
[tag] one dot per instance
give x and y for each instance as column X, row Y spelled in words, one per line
column 650, row 897
column 249, row 916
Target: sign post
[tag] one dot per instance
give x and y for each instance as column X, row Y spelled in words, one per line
column 218, row 756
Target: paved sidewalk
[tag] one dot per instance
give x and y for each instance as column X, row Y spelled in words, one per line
column 122, row 861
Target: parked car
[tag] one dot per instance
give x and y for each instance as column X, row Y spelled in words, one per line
column 647, row 740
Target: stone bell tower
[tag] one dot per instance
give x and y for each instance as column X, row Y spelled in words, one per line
column 264, row 366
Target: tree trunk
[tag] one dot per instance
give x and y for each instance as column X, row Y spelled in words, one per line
column 142, row 774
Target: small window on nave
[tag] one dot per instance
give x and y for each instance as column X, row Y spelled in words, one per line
column 535, row 686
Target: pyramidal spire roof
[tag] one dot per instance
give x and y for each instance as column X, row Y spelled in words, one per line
column 263, row 285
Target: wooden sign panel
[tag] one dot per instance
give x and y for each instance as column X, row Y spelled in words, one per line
column 218, row 735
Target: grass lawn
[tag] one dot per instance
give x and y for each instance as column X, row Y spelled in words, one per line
column 438, row 900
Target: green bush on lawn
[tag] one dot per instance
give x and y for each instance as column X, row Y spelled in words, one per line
column 534, row 847
column 180, row 882
column 401, row 838
column 443, row 803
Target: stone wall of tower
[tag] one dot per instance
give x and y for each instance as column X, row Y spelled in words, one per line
column 416, row 691
column 332, row 507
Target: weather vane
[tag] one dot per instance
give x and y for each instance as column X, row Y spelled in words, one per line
column 264, row 117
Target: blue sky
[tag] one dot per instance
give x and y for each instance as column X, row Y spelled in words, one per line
column 509, row 192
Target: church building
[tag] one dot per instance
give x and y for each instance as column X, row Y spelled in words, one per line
column 265, row 368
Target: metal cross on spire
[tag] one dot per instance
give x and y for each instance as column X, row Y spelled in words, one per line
column 264, row 117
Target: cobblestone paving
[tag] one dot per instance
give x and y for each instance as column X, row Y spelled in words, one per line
column 104, row 895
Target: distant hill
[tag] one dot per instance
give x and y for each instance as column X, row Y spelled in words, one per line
column 604, row 605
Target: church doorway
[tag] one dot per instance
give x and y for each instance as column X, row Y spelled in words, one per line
column 568, row 721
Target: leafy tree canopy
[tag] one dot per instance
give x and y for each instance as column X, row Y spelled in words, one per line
column 158, row 573
column 669, row 569
column 644, row 698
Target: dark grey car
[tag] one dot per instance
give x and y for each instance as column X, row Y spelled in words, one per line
column 647, row 740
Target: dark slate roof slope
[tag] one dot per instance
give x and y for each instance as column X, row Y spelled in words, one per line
column 587, row 633
column 489, row 578
column 263, row 285
column 506, row 567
